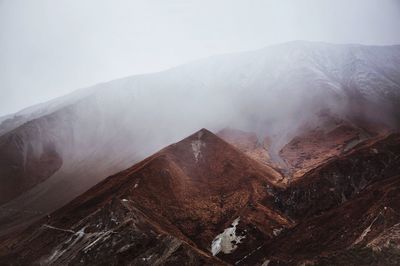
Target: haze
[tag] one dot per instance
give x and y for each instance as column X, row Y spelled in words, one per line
column 49, row 48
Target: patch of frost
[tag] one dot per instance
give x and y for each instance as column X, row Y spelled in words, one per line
column 227, row 241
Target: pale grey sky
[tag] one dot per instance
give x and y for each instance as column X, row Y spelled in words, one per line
column 51, row 47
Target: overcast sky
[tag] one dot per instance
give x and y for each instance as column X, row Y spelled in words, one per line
column 51, row 47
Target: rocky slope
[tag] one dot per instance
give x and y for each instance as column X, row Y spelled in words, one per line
column 347, row 211
column 332, row 138
column 312, row 147
column 203, row 202
column 338, row 180
column 169, row 208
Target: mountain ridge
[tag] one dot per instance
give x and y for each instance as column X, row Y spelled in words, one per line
column 201, row 201
column 273, row 94
column 157, row 185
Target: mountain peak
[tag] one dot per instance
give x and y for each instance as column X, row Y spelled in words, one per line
column 202, row 133
column 207, row 178
column 202, row 152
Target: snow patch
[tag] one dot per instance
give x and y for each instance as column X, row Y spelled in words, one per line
column 265, row 263
column 277, row 231
column 58, row 229
column 147, row 258
column 196, row 146
column 101, row 236
column 124, row 248
column 66, row 245
column 387, row 239
column 365, row 232
column 227, row 241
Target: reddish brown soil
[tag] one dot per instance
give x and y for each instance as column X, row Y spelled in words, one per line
column 348, row 211
column 167, row 209
column 191, row 193
column 315, row 145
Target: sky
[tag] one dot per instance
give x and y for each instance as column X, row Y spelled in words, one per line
column 49, row 48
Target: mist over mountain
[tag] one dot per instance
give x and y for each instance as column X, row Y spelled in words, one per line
column 277, row 92
column 292, row 108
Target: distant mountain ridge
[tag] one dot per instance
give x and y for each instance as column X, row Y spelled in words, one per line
column 339, row 65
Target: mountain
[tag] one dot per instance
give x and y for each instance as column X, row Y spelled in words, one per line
column 313, row 146
column 55, row 151
column 347, row 211
column 169, row 208
column 201, row 201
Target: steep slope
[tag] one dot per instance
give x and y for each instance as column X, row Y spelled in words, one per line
column 169, row 208
column 273, row 92
column 23, row 162
column 361, row 231
column 347, row 211
column 340, row 179
column 312, row 147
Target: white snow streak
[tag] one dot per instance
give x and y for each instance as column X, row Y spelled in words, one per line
column 196, row 146
column 58, row 229
column 65, row 246
column 365, row 232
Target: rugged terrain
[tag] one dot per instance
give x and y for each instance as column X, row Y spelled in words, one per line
column 347, row 211
column 203, row 202
column 53, row 152
column 310, row 128
column 176, row 201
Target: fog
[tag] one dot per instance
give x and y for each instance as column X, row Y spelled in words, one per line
column 49, row 48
